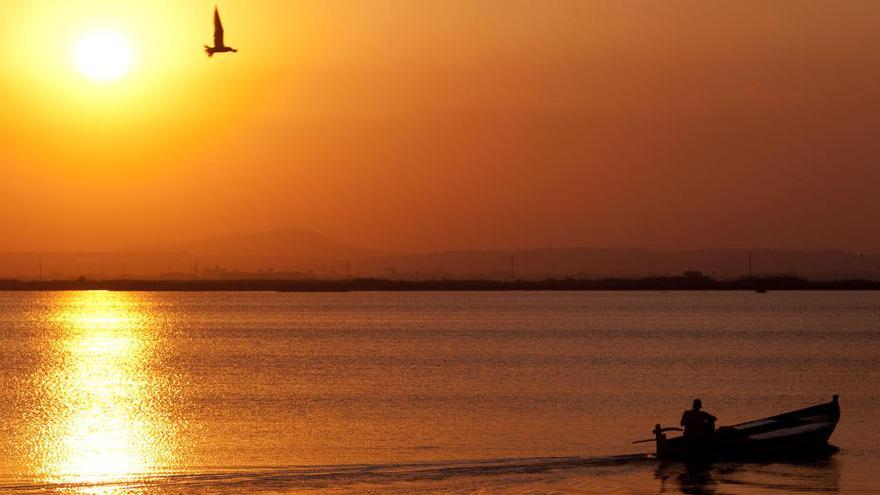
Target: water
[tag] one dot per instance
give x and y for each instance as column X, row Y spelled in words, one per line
column 222, row 393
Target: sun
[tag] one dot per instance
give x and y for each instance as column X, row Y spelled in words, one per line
column 103, row 56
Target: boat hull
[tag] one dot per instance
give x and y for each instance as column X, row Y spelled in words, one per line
column 796, row 433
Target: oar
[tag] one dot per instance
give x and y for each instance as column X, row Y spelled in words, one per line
column 645, row 440
column 662, row 430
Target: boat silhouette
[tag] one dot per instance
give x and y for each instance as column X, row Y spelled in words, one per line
column 790, row 434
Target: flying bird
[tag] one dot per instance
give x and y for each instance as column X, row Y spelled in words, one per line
column 218, row 47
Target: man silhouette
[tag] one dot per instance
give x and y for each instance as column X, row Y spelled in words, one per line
column 698, row 424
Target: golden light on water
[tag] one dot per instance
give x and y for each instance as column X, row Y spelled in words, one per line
column 104, row 422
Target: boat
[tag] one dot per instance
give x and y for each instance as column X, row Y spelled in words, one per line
column 790, row 434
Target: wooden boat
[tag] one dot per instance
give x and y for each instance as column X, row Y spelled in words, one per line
column 793, row 433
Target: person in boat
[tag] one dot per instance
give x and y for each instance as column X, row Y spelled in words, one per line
column 698, row 424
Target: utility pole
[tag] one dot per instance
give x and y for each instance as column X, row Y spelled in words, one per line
column 512, row 268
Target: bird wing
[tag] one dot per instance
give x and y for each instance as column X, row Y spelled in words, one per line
column 218, row 29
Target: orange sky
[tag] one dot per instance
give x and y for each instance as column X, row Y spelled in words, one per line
column 447, row 124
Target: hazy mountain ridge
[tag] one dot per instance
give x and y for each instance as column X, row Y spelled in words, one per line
column 295, row 253
column 290, row 243
column 598, row 263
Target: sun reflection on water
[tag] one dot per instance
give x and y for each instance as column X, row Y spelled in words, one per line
column 103, row 395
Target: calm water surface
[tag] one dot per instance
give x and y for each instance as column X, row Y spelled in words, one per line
column 134, row 393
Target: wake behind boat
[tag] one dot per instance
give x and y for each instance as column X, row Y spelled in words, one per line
column 793, row 433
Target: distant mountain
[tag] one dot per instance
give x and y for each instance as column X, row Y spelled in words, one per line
column 294, row 253
column 292, row 244
column 600, row 263
column 288, row 253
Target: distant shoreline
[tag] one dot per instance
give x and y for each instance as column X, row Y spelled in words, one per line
column 375, row 284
